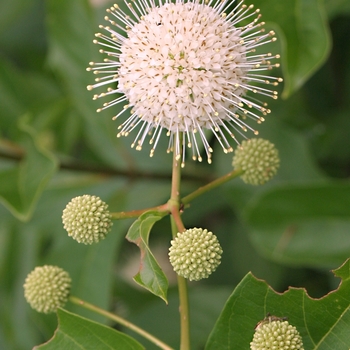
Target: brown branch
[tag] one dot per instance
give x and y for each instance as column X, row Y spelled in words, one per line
column 17, row 154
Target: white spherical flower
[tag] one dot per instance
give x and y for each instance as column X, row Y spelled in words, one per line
column 185, row 67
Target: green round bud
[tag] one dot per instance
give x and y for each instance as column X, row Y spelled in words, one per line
column 87, row 219
column 46, row 288
column 259, row 160
column 195, row 254
column 276, row 335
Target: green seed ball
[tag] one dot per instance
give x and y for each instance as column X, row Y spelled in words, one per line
column 195, row 254
column 259, row 160
column 87, row 219
column 276, row 335
column 46, row 288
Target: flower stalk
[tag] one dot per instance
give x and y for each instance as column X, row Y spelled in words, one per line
column 211, row 185
column 178, row 226
column 120, row 321
column 136, row 213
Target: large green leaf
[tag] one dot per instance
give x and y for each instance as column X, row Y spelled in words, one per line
column 323, row 323
column 305, row 40
column 16, row 99
column 11, row 11
column 71, row 29
column 150, row 274
column 22, row 184
column 304, row 224
column 75, row 332
column 337, row 8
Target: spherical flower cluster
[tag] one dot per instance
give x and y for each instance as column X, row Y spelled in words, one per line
column 185, row 67
column 276, row 335
column 195, row 254
column 87, row 219
column 46, row 288
column 259, row 160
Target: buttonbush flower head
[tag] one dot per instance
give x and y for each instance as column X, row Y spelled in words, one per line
column 259, row 160
column 276, row 335
column 87, row 219
column 195, row 254
column 185, row 67
column 46, row 288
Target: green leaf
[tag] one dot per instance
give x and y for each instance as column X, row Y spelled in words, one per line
column 304, row 224
column 70, row 51
column 10, row 11
column 323, row 323
column 303, row 31
column 75, row 332
column 337, row 8
column 23, row 184
column 150, row 275
column 16, row 99
column 206, row 304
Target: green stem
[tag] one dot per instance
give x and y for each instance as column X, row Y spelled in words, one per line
column 184, row 308
column 120, row 321
column 221, row 180
column 136, row 213
column 178, row 226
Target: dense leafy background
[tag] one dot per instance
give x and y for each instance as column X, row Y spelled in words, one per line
column 53, row 146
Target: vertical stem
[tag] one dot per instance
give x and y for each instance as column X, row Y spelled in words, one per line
column 184, row 307
column 178, row 226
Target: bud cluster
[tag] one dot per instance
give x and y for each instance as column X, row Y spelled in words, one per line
column 87, row 219
column 46, row 288
column 195, row 254
column 276, row 335
column 259, row 160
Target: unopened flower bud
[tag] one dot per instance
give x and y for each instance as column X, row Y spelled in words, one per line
column 46, row 288
column 259, row 160
column 87, row 219
column 276, row 334
column 195, row 254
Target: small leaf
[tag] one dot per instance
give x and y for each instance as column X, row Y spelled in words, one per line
column 23, row 184
column 150, row 275
column 323, row 323
column 76, row 332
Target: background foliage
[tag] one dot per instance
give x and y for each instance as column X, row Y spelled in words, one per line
column 53, row 146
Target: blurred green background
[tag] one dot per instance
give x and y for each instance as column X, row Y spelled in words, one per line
column 54, row 146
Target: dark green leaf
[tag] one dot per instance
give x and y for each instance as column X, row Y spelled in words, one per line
column 302, row 224
column 23, row 184
column 206, row 304
column 71, row 31
column 16, row 99
column 150, row 275
column 337, row 8
column 75, row 332
column 304, row 35
column 323, row 323
column 11, row 11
